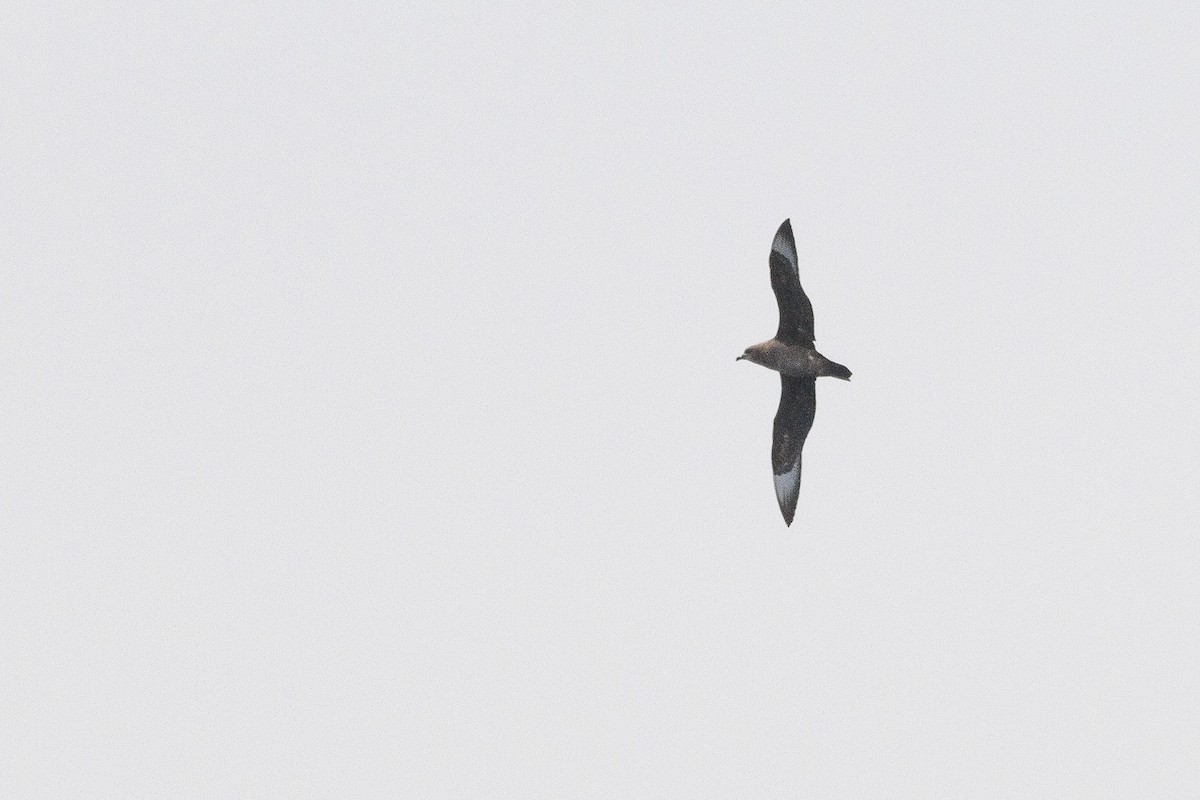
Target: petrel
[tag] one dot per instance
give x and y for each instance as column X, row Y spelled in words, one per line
column 792, row 355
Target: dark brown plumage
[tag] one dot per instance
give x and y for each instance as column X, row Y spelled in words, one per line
column 792, row 355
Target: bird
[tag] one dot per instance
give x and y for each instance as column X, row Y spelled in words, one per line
column 792, row 355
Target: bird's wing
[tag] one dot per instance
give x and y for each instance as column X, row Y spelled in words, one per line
column 797, row 407
column 795, row 311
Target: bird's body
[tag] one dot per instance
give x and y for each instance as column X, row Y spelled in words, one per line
column 792, row 355
column 795, row 360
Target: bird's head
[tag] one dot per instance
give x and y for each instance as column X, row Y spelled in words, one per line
column 753, row 354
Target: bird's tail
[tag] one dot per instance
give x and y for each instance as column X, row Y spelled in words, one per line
column 836, row 371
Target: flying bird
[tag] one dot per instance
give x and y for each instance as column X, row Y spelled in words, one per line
column 792, row 355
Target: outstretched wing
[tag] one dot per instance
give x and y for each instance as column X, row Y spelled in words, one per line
column 793, row 420
column 795, row 311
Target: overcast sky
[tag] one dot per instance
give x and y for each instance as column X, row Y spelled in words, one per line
column 370, row 425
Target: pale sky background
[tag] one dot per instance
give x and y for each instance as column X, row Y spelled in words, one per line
column 371, row 425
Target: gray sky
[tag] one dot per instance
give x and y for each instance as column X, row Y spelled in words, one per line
column 371, row 426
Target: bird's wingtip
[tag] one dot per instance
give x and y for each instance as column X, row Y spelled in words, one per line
column 785, row 243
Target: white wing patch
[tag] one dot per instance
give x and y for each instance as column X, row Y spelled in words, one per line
column 785, row 248
column 787, row 485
